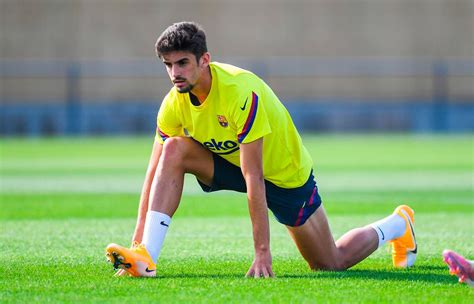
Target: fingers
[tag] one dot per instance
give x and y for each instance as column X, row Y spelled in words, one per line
column 257, row 273
column 250, row 272
column 270, row 273
column 265, row 273
column 260, row 272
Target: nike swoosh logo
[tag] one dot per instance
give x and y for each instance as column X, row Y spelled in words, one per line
column 148, row 270
column 164, row 224
column 414, row 238
column 245, row 104
column 412, row 232
column 383, row 235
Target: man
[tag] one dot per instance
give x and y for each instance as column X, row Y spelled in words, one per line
column 226, row 126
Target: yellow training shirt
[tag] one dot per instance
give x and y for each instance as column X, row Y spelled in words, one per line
column 240, row 108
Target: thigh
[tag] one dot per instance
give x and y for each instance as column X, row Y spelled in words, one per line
column 227, row 176
column 197, row 160
column 292, row 207
column 315, row 242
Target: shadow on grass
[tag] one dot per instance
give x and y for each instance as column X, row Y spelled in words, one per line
column 201, row 276
column 420, row 274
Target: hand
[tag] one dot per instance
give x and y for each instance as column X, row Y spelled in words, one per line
column 261, row 266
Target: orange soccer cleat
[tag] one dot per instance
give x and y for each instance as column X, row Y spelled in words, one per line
column 136, row 260
column 404, row 248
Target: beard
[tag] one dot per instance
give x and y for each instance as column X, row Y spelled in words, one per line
column 185, row 89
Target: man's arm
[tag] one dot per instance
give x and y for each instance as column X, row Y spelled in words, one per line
column 145, row 195
column 252, row 170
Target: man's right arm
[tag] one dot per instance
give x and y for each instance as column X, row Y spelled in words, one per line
column 145, row 195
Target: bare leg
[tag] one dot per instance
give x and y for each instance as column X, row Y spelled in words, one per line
column 180, row 155
column 316, row 244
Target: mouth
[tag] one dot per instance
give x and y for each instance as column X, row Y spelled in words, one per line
column 179, row 81
column 182, row 85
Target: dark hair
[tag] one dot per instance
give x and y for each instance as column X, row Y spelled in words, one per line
column 182, row 36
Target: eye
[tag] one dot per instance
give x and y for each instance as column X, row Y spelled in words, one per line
column 182, row 63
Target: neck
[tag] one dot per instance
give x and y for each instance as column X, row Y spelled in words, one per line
column 202, row 89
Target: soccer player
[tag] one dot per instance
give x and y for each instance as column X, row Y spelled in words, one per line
column 227, row 127
column 460, row 266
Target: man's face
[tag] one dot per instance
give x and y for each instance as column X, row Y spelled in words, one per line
column 183, row 69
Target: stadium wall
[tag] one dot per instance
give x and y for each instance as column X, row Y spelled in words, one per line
column 114, row 29
column 325, row 116
column 80, row 66
column 78, row 107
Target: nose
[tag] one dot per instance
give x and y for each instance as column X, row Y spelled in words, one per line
column 175, row 71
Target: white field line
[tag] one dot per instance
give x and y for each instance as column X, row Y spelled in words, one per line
column 72, row 164
column 341, row 181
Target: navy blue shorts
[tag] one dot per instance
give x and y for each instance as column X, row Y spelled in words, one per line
column 291, row 207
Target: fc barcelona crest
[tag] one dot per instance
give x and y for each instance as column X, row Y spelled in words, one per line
column 222, row 121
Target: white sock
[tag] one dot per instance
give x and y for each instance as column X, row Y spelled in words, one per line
column 389, row 228
column 156, row 226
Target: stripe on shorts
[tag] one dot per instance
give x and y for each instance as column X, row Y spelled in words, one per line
column 303, row 210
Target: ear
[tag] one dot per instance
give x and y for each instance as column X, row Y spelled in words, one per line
column 205, row 60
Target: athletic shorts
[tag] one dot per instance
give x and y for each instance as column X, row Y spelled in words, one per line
column 291, row 207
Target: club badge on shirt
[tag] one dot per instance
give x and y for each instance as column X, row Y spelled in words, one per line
column 222, row 121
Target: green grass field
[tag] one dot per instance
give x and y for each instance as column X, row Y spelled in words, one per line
column 63, row 200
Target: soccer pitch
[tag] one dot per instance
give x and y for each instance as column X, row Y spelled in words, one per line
column 63, row 200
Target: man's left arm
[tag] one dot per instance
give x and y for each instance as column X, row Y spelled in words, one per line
column 252, row 170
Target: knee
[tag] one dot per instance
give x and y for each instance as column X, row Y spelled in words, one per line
column 328, row 266
column 174, row 150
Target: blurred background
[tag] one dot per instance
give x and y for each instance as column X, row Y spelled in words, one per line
column 80, row 87
column 83, row 67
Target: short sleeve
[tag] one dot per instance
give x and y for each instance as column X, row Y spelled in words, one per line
column 168, row 123
column 250, row 117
